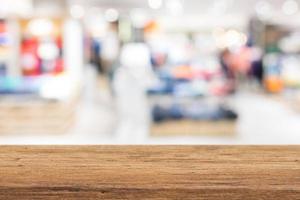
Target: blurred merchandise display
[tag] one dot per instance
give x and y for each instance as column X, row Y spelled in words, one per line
column 41, row 47
column 188, row 68
column 37, row 47
column 19, row 86
column 5, row 47
column 195, row 111
column 38, row 93
column 281, row 60
column 273, row 82
column 291, row 70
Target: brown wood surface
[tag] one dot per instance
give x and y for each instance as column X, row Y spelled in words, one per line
column 150, row 172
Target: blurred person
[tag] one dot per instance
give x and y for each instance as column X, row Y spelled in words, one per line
column 257, row 71
column 96, row 49
column 130, row 82
column 236, row 64
column 225, row 60
column 110, row 48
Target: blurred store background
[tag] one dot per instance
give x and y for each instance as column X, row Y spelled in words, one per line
column 149, row 72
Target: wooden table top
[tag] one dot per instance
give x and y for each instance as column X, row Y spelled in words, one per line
column 150, row 172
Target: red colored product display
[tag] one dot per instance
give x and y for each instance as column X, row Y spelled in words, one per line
column 30, row 61
column 42, row 53
column 2, row 27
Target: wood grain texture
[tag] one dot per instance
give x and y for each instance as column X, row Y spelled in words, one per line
column 149, row 172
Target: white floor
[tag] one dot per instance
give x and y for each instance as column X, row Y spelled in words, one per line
column 124, row 120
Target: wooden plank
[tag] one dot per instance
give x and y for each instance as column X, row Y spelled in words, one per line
column 150, row 172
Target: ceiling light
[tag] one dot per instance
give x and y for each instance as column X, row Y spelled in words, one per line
column 290, row 7
column 95, row 11
column 40, row 27
column 138, row 18
column 229, row 39
column 77, row 11
column 263, row 9
column 155, row 4
column 221, row 6
column 111, row 15
column 175, row 7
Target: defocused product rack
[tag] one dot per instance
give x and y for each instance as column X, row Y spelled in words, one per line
column 38, row 91
column 281, row 63
column 190, row 96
